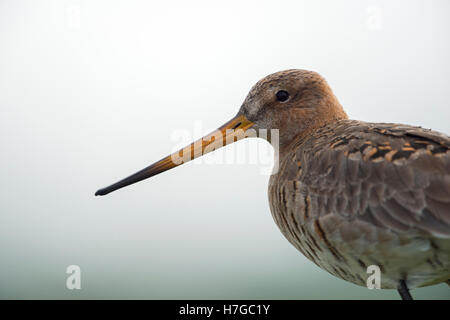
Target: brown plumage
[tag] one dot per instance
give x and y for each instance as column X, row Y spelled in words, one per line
column 354, row 194
column 347, row 194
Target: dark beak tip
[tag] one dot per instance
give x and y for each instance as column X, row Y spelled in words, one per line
column 100, row 192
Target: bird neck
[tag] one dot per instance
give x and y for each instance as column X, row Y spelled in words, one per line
column 302, row 124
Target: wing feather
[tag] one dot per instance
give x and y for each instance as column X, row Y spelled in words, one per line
column 396, row 176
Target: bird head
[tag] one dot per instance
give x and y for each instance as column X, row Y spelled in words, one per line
column 291, row 102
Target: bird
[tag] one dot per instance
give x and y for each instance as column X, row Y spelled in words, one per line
column 347, row 194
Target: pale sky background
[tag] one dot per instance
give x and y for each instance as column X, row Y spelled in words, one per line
column 92, row 91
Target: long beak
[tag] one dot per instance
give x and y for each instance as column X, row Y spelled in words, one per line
column 232, row 131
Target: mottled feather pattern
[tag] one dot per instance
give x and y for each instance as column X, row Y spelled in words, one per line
column 374, row 191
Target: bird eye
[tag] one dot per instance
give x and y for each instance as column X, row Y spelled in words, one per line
column 282, row 95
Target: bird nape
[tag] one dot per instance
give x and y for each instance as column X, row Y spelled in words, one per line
column 349, row 195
